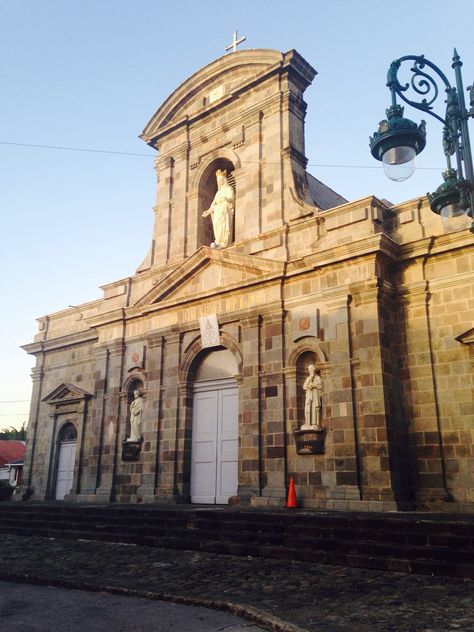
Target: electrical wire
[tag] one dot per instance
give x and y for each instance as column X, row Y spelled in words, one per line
column 128, row 153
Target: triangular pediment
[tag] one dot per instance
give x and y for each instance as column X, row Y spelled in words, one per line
column 467, row 337
column 65, row 393
column 210, row 271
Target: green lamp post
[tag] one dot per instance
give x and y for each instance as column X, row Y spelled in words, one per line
column 398, row 140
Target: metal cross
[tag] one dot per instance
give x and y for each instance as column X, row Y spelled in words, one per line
column 235, row 42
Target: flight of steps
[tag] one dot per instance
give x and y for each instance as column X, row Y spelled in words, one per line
column 436, row 544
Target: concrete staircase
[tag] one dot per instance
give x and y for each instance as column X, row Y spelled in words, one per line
column 437, row 544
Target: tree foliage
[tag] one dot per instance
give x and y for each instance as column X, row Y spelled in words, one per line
column 14, row 433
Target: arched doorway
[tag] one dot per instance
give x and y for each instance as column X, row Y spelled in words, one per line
column 214, row 451
column 67, row 443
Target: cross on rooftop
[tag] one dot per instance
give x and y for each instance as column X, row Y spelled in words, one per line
column 235, row 42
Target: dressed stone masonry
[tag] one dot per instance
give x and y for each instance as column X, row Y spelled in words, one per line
column 379, row 299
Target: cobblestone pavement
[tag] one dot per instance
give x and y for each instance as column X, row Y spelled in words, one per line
column 270, row 592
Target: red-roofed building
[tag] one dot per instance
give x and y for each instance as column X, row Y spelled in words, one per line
column 11, row 460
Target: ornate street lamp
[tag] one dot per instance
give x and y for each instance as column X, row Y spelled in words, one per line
column 398, row 140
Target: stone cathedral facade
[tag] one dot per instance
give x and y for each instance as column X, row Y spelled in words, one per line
column 215, row 343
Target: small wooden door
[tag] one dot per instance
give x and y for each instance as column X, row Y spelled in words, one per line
column 65, row 475
column 214, row 457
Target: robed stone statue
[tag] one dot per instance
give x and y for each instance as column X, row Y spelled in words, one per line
column 313, row 386
column 136, row 410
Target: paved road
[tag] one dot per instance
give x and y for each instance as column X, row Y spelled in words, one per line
column 27, row 608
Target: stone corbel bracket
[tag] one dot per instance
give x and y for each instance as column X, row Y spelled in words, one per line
column 309, row 442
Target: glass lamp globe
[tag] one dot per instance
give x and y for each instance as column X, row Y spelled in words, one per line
column 454, row 218
column 452, row 210
column 399, row 163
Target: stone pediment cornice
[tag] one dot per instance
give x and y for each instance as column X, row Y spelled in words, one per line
column 250, row 269
column 435, row 245
column 338, row 255
column 60, row 342
column 467, row 337
column 263, row 61
column 65, row 394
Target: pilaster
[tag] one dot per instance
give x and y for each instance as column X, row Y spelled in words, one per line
column 111, row 425
column 251, row 458
column 167, row 487
column 342, row 475
column 420, row 392
column 274, row 409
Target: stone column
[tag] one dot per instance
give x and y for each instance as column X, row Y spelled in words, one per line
column 251, row 461
column 111, row 435
column 184, row 441
column 152, row 422
column 94, row 437
column 82, row 430
column 163, row 211
column 37, row 375
column 166, row 490
column 341, row 477
column 274, row 409
column 376, row 381
column 420, row 393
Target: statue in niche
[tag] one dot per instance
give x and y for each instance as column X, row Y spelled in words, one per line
column 221, row 211
column 313, row 386
column 136, row 410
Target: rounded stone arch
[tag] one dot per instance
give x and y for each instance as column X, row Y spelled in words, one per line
column 205, row 188
column 133, row 379
column 218, row 154
column 67, row 431
column 307, row 346
column 195, row 354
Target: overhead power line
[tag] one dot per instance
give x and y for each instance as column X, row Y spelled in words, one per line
column 13, row 401
column 128, row 153
column 94, row 151
column 15, row 415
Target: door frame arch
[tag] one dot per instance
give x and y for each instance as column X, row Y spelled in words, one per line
column 193, row 355
column 61, row 442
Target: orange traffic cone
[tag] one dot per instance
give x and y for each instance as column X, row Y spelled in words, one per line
column 291, row 501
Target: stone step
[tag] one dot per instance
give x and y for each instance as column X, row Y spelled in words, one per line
column 404, row 542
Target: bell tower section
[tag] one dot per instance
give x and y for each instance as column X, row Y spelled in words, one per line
column 243, row 113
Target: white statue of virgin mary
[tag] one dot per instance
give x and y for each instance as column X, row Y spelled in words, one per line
column 222, row 211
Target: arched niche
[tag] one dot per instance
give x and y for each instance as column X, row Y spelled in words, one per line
column 207, row 188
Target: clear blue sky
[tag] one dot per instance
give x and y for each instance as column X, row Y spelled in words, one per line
column 91, row 73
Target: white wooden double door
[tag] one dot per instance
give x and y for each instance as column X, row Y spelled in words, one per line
column 65, row 474
column 214, row 456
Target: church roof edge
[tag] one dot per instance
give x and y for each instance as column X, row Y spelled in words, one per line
column 269, row 58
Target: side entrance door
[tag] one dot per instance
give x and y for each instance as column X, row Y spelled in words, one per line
column 214, row 456
column 65, row 475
